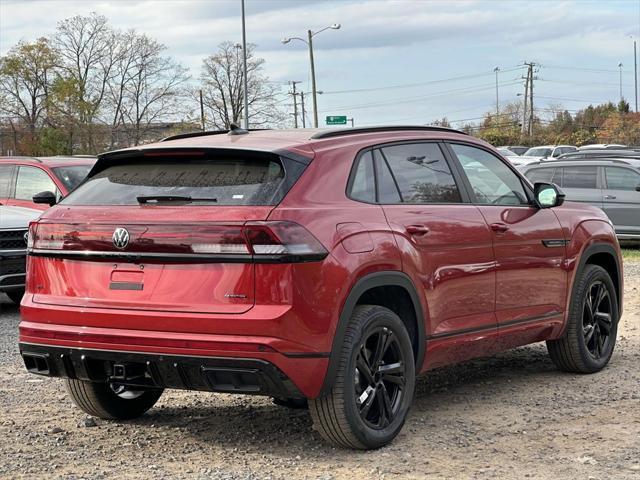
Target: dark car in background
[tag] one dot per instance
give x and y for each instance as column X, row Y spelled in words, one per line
column 601, row 153
column 610, row 184
column 21, row 178
column 14, row 225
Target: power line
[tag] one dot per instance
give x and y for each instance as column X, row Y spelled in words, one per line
column 410, row 85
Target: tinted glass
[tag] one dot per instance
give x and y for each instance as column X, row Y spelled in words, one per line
column 387, row 190
column 31, row 181
column 220, row 182
column 71, row 176
column 580, row 177
column 422, row 173
column 5, row 179
column 540, row 175
column 621, row 178
column 492, row 181
column 363, row 187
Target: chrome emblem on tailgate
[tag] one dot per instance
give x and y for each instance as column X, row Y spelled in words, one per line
column 120, row 238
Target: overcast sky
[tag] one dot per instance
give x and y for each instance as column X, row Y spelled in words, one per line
column 410, row 61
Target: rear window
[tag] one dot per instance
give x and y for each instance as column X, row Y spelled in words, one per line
column 71, row 176
column 220, row 181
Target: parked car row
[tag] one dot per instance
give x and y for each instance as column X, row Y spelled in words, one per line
column 29, row 185
column 612, row 184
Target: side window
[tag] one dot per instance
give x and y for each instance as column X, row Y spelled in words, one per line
column 31, row 181
column 492, row 181
column 363, row 187
column 620, row 178
column 580, row 177
column 540, row 175
column 5, row 179
column 421, row 173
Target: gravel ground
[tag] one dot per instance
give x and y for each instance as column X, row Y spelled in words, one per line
column 512, row 416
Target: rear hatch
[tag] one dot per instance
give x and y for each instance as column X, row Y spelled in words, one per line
column 176, row 231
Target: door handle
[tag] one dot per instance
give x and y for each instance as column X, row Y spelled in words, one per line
column 499, row 227
column 609, row 197
column 417, row 229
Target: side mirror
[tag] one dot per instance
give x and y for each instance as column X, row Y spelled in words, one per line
column 48, row 198
column 547, row 195
column 638, row 188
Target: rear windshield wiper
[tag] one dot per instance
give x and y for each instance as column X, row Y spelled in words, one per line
column 172, row 198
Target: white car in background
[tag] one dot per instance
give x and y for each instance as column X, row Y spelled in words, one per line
column 509, row 155
column 544, row 152
column 14, row 225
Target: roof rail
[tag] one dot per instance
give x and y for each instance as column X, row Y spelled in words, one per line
column 623, row 160
column 232, row 131
column 20, row 157
column 390, row 128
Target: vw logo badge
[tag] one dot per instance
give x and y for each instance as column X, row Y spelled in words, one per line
column 120, row 238
column 26, row 237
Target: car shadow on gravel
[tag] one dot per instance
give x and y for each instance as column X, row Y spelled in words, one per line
column 250, row 422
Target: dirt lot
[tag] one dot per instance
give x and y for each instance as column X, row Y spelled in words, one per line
column 512, row 416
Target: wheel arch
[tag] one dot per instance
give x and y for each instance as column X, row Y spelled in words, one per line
column 604, row 255
column 391, row 289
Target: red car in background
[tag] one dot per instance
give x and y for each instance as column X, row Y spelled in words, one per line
column 324, row 265
column 21, row 178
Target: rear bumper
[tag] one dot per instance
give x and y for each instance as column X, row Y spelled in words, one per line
column 296, row 373
column 216, row 374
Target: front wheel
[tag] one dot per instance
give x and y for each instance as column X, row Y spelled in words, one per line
column 592, row 325
column 374, row 385
column 15, row 296
column 111, row 401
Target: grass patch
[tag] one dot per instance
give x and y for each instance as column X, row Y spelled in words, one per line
column 631, row 254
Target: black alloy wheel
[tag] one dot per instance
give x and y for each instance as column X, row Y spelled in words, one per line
column 596, row 319
column 380, row 378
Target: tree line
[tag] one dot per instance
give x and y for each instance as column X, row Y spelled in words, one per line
column 554, row 125
column 90, row 87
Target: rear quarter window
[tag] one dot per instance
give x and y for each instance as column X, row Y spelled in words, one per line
column 216, row 181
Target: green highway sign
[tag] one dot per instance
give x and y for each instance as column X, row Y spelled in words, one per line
column 336, row 120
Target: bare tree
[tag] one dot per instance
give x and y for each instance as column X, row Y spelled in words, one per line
column 222, row 86
column 153, row 87
column 25, row 73
column 88, row 50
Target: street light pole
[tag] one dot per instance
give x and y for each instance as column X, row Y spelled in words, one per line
column 313, row 80
column 309, row 42
column 635, row 70
column 244, row 68
column 497, row 69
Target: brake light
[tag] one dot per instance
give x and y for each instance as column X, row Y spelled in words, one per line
column 278, row 241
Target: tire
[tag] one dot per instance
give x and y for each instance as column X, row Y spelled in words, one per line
column 295, row 403
column 585, row 346
column 15, row 296
column 337, row 415
column 101, row 400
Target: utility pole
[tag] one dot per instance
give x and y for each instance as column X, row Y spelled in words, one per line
column 295, row 102
column 244, row 68
column 523, row 129
column 201, row 111
column 497, row 69
column 531, row 100
column 304, row 114
column 620, row 68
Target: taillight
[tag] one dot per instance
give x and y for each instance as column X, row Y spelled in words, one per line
column 277, row 241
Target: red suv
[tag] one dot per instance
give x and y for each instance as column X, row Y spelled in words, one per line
column 330, row 266
column 22, row 178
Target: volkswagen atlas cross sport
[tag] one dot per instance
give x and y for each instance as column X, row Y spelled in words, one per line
column 332, row 266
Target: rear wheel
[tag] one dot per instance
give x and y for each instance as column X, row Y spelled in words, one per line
column 374, row 384
column 590, row 336
column 111, row 401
